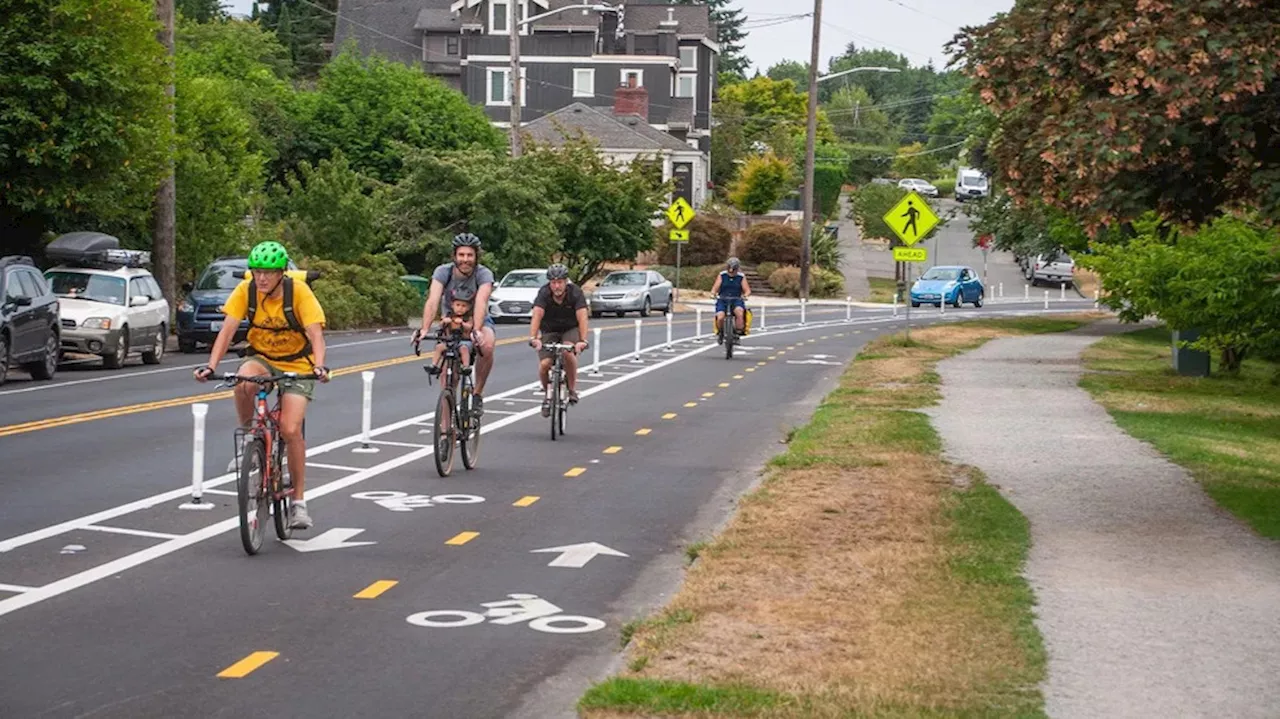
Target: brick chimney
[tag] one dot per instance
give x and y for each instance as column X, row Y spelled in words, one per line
column 631, row 100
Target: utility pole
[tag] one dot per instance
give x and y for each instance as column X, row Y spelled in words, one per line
column 513, row 25
column 162, row 242
column 809, row 150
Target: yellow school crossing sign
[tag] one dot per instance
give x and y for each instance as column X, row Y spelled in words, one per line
column 680, row 213
column 911, row 219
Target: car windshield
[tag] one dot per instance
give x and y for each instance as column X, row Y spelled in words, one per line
column 219, row 277
column 973, row 181
column 524, row 279
column 87, row 286
column 620, row 279
column 941, row 273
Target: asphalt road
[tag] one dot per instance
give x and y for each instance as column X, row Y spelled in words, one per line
column 116, row 603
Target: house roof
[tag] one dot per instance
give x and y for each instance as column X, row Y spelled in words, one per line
column 612, row 132
column 396, row 36
column 434, row 19
column 649, row 16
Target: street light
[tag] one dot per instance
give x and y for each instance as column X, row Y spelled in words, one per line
column 806, row 227
column 514, row 25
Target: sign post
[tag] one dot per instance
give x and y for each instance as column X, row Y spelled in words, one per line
column 985, row 243
column 680, row 213
column 911, row 220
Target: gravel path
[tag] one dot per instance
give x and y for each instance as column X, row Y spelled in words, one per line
column 1152, row 601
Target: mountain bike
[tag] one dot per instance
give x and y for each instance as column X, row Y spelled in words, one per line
column 261, row 485
column 455, row 422
column 559, row 388
column 728, row 330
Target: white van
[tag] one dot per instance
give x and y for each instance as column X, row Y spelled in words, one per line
column 971, row 184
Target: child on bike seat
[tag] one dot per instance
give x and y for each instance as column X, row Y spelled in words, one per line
column 457, row 323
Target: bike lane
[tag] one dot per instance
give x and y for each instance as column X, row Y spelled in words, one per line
column 151, row 641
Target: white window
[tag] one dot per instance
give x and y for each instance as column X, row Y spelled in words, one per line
column 687, row 84
column 498, row 91
column 584, row 82
column 632, row 74
column 689, row 58
column 499, row 17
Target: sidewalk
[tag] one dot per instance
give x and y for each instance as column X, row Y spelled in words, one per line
column 1151, row 600
column 854, row 265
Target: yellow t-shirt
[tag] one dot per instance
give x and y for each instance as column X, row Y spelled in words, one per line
column 270, row 314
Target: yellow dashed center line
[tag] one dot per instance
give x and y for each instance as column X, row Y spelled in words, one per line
column 575, row 472
column 671, row 415
column 691, row 404
column 612, row 450
column 643, row 431
column 762, row 363
column 751, row 369
column 708, row 394
column 724, row 384
column 525, row 501
column 826, row 337
column 375, row 590
column 738, row 376
column 462, row 538
column 773, row 357
column 246, row 666
column 781, row 352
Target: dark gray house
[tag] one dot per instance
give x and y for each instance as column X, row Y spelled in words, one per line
column 572, row 56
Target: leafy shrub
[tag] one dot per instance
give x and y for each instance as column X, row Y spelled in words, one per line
column 691, row 278
column 824, row 249
column 764, row 269
column 946, row 188
column 709, row 242
column 870, row 203
column 767, row 242
column 368, row 292
column 763, row 180
column 823, row 283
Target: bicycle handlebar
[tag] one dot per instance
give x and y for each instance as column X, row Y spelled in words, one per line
column 231, row 379
column 560, row 346
column 439, row 335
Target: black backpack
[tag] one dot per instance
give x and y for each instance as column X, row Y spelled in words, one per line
column 289, row 316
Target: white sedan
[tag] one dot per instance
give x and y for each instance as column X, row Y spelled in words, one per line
column 923, row 187
column 513, row 296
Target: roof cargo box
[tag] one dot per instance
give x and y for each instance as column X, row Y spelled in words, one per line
column 94, row 249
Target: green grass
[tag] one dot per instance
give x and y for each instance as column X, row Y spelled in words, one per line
column 656, row 696
column 1224, row 430
column 882, row 289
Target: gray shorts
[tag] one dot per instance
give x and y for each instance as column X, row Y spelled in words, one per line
column 567, row 337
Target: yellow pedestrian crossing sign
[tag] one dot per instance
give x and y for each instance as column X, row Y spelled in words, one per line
column 680, row 213
column 911, row 219
column 910, row 254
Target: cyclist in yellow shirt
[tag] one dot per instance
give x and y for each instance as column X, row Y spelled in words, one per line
column 286, row 334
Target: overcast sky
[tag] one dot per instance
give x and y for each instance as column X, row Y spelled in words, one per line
column 916, row 28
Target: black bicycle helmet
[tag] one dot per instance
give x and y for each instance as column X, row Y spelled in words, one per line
column 557, row 272
column 466, row 239
column 466, row 294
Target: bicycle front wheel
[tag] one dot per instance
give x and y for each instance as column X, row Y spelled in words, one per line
column 444, row 433
column 726, row 330
column 555, row 402
column 251, row 499
column 469, row 436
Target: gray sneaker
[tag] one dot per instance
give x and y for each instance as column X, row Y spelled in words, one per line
column 298, row 517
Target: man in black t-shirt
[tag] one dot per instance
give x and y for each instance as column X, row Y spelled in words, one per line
column 560, row 313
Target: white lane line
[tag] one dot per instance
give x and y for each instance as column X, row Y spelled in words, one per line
column 162, row 370
column 389, row 443
column 134, row 532
column 321, row 465
column 16, row 588
column 227, row 492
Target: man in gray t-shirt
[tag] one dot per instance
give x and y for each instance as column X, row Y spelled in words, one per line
column 465, row 271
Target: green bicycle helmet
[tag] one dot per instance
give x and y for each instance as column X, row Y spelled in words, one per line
column 269, row 256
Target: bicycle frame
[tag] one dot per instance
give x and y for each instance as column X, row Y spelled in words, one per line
column 558, row 379
column 456, row 401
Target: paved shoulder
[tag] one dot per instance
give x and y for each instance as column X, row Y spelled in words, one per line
column 1152, row 601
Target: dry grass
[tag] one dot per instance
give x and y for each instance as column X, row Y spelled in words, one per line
column 858, row 579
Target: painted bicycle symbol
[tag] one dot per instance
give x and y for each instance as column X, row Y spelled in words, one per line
column 541, row 615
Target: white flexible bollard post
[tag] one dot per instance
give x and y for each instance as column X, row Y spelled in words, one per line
column 1095, row 298
column 942, row 305
column 848, row 308
column 697, row 328
column 803, row 304
column 198, row 413
column 669, row 347
column 595, row 352
column 366, row 416
column 762, row 308
column 1002, row 290
column 636, row 357
column 1026, row 292
column 1046, row 299
column 1062, row 292
column 895, row 303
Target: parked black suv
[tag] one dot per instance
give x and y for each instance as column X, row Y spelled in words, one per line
column 29, row 320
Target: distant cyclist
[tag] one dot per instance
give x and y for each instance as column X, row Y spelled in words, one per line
column 560, row 314
column 465, row 272
column 286, row 334
column 731, row 291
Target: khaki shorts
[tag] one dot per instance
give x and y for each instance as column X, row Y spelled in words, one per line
column 567, row 337
column 301, row 387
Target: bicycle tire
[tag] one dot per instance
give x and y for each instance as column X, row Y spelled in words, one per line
column 726, row 330
column 469, row 439
column 253, row 510
column 444, row 436
column 564, row 414
column 555, row 401
column 280, row 507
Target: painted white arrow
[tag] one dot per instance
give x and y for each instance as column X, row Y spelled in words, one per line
column 335, row 538
column 577, row 555
column 813, row 361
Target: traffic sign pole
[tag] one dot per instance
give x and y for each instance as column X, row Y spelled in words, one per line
column 679, row 247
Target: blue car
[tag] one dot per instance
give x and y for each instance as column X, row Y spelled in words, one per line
column 200, row 312
column 953, row 284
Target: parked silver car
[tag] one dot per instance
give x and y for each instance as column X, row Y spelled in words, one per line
column 631, row 291
column 1051, row 268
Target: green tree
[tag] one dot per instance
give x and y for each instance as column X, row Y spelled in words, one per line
column 443, row 193
column 765, row 179
column 372, row 109
column 606, row 212
column 867, row 162
column 330, row 210
column 1206, row 280
column 201, row 10
column 915, row 161
column 1109, row 108
column 856, row 119
column 83, row 118
column 729, row 34
column 304, row 27
column 797, row 72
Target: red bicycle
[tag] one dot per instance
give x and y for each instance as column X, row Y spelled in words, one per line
column 261, row 485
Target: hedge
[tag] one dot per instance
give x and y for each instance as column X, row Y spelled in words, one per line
column 823, row 283
column 367, row 292
column 691, row 278
column 709, row 242
column 768, row 242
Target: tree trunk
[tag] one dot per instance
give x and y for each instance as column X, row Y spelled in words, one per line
column 1231, row 359
column 163, row 240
